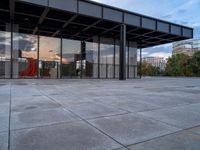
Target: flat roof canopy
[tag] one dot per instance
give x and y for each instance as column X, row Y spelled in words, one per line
column 82, row 19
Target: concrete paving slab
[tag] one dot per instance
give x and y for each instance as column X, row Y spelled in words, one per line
column 163, row 101
column 93, row 110
column 195, row 130
column 129, row 129
column 66, row 100
column 4, row 99
column 192, row 108
column 4, row 122
column 4, row 141
column 4, row 109
column 71, row 136
column 178, row 141
column 179, row 117
column 40, row 118
column 38, row 104
column 134, row 106
column 28, row 99
column 32, row 106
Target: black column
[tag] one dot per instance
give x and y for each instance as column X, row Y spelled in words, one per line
column 99, row 40
column 83, row 56
column 140, row 63
column 61, row 50
column 38, row 54
column 122, row 56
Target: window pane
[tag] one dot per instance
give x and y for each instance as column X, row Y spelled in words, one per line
column 91, row 62
column 71, row 59
column 25, row 64
column 5, row 54
column 107, row 58
column 132, row 62
column 117, row 61
column 49, row 57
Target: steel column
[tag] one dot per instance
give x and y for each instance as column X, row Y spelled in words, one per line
column 99, row 56
column 61, row 50
column 140, row 63
column 128, row 61
column 114, row 60
column 122, row 56
column 38, row 55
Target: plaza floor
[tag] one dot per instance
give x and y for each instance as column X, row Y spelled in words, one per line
column 146, row 114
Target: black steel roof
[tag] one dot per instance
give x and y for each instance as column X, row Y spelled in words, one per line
column 83, row 19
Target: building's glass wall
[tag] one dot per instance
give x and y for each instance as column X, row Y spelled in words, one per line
column 25, row 60
column 132, row 60
column 49, row 57
column 44, row 57
column 71, row 59
column 90, row 60
column 117, row 60
column 106, row 59
column 5, row 54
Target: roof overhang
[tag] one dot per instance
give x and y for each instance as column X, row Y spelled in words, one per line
column 82, row 20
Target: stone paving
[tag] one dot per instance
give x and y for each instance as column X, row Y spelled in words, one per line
column 146, row 114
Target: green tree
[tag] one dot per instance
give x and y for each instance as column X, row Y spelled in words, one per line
column 178, row 65
column 148, row 69
column 194, row 64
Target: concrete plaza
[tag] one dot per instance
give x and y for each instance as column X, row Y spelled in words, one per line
column 146, row 114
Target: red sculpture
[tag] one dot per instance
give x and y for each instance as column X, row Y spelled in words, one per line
column 32, row 69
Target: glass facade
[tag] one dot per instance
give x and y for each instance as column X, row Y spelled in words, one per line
column 90, row 60
column 5, row 54
column 49, row 57
column 107, row 58
column 36, row 56
column 71, row 59
column 25, row 58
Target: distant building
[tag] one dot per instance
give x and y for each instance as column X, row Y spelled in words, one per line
column 188, row 47
column 156, row 62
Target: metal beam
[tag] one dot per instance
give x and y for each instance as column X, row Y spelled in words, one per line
column 88, row 27
column 133, row 30
column 146, row 36
column 65, row 24
column 42, row 17
column 122, row 56
column 104, row 32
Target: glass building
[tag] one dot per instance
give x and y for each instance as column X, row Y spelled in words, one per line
column 76, row 39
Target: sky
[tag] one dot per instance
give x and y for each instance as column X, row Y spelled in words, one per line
column 184, row 12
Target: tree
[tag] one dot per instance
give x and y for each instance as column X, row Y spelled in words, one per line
column 194, row 64
column 148, row 69
column 178, row 65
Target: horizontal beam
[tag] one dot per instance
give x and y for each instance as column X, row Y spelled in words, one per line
column 65, row 24
column 88, row 27
column 42, row 17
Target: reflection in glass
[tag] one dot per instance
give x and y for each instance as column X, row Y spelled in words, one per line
column 117, row 60
column 106, row 58
column 132, row 61
column 90, row 60
column 5, row 54
column 49, row 57
column 71, row 59
column 25, row 63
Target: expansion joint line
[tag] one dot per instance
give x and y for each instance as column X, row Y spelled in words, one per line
column 9, row 122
